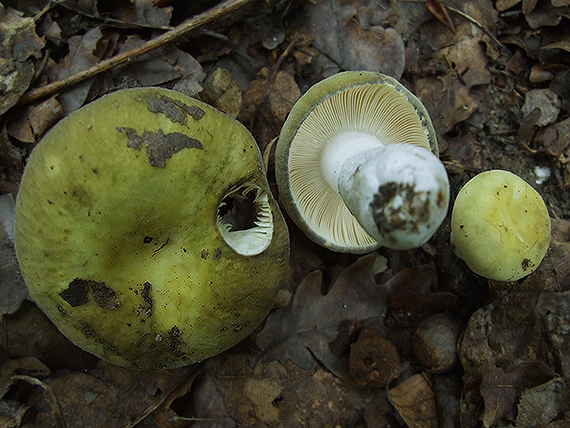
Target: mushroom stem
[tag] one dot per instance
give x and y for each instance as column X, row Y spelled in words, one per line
column 398, row 193
column 341, row 148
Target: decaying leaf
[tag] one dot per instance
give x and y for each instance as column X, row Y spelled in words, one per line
column 521, row 335
column 12, row 288
column 157, row 67
column 223, row 92
column 82, row 55
column 415, row 401
column 541, row 404
column 18, row 44
column 348, row 37
column 502, row 390
column 267, row 102
column 302, row 332
column 410, row 298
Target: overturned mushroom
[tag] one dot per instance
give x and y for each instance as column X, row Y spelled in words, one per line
column 146, row 231
column 357, row 165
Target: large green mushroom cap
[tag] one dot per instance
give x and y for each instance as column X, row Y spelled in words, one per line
column 146, row 231
column 500, row 226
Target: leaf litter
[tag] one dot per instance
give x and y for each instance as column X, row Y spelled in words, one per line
column 337, row 348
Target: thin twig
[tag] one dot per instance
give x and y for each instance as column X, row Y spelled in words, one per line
column 108, row 64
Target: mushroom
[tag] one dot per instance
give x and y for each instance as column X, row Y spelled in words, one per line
column 146, row 231
column 500, row 226
column 357, row 165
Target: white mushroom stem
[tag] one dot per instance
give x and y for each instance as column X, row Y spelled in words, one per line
column 399, row 193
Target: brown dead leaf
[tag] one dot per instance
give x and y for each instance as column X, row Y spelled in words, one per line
column 545, row 14
column 467, row 60
column 195, row 401
column 465, row 150
column 502, row 390
column 302, row 332
column 82, row 55
column 517, row 328
column 223, row 92
column 18, row 42
column 266, row 104
column 12, row 288
column 142, row 13
column 157, row 67
column 252, row 395
column 44, row 340
column 410, row 298
column 449, row 102
column 414, row 400
column 145, row 13
column 11, row 158
column 503, row 5
column 320, row 401
column 348, row 39
column 111, row 396
column 34, row 121
column 540, row 405
column 554, row 139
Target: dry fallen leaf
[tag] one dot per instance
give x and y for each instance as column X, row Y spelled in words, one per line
column 302, row 332
column 82, row 55
column 502, row 390
column 348, row 39
column 410, row 298
column 18, row 42
column 520, row 332
column 414, row 400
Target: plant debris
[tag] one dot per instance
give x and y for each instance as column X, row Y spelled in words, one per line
column 338, row 347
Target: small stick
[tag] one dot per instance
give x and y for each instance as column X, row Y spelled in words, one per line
column 106, row 65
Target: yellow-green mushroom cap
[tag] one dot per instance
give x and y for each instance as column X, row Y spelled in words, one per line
column 146, row 231
column 500, row 226
column 336, row 126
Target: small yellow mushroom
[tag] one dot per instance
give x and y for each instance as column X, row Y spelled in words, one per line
column 500, row 226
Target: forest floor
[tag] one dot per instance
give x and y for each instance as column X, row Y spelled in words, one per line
column 495, row 79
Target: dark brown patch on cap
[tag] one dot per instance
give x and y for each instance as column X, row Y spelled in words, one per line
column 174, row 342
column 526, row 264
column 76, row 294
column 175, row 110
column 159, row 146
column 145, row 294
column 104, row 296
